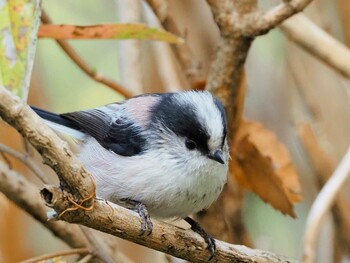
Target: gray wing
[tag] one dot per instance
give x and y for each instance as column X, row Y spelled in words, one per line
column 113, row 131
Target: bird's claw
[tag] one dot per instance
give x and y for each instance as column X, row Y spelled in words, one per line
column 208, row 238
column 146, row 223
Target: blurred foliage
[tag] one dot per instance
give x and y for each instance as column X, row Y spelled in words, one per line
column 18, row 25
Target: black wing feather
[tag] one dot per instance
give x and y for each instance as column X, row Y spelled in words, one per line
column 121, row 136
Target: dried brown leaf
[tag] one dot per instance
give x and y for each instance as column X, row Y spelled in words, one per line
column 262, row 164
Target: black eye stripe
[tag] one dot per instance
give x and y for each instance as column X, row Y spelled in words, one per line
column 181, row 120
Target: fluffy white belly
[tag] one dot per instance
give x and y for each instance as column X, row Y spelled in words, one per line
column 169, row 189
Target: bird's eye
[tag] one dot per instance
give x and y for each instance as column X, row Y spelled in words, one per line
column 191, row 145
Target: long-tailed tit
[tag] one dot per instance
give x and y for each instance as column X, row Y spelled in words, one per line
column 166, row 153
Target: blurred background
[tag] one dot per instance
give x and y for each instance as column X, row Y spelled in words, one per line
column 287, row 89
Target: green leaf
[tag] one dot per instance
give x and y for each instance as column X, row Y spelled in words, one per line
column 19, row 22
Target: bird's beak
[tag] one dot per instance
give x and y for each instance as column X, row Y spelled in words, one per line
column 217, row 156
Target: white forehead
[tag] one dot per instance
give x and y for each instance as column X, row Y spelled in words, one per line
column 207, row 113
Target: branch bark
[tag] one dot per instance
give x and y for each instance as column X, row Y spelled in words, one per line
column 81, row 251
column 321, row 206
column 170, row 239
column 25, row 195
column 317, row 42
column 73, row 176
column 119, row 222
column 23, row 157
column 130, row 51
column 239, row 23
column 323, row 167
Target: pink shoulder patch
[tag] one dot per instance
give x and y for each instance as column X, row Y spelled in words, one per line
column 139, row 108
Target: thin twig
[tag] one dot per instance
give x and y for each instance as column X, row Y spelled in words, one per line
column 6, row 159
column 99, row 250
column 190, row 67
column 322, row 205
column 26, row 160
column 166, row 62
column 25, row 195
column 278, row 14
column 317, row 42
column 254, row 22
column 324, row 167
column 79, row 251
column 85, row 259
column 85, row 67
column 130, row 51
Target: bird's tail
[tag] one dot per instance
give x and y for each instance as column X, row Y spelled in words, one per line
column 60, row 123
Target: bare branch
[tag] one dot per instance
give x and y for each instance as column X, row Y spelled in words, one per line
column 167, row 238
column 26, row 160
column 242, row 19
column 85, row 259
column 26, row 195
column 321, row 206
column 129, row 51
column 54, row 151
column 166, row 62
column 85, row 67
column 226, row 76
column 189, row 65
column 278, row 14
column 324, row 167
column 99, row 251
column 160, row 8
column 81, row 251
column 317, row 42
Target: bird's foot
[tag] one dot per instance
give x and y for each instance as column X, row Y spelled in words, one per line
column 208, row 238
column 146, row 223
column 141, row 209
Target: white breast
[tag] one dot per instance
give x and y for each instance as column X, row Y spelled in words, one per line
column 169, row 187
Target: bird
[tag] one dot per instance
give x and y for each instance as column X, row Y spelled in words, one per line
column 164, row 155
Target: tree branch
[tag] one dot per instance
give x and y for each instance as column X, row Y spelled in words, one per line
column 81, row 251
column 278, row 14
column 243, row 19
column 317, row 42
column 25, row 195
column 67, row 48
column 170, row 239
column 321, row 206
column 324, row 167
column 119, row 222
column 130, row 51
column 26, row 160
column 54, row 151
